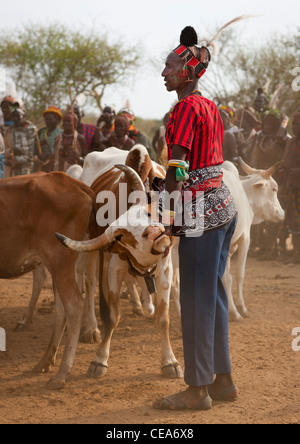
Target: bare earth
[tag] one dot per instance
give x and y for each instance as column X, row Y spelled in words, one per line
column 265, row 367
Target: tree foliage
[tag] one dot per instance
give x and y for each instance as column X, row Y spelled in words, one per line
column 43, row 61
column 240, row 69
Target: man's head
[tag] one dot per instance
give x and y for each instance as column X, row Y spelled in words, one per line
column 6, row 106
column 187, row 63
column 125, row 112
column 108, row 115
column 121, row 126
column 52, row 117
column 70, row 122
column 271, row 122
column 18, row 116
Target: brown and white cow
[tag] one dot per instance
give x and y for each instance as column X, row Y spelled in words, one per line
column 137, row 246
column 32, row 209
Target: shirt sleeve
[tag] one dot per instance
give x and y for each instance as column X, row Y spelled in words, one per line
column 185, row 121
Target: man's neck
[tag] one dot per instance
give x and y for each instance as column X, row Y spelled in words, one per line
column 188, row 89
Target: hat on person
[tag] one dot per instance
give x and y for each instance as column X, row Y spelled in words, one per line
column 53, row 109
column 8, row 99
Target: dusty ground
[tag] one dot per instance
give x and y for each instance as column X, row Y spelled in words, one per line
column 266, row 368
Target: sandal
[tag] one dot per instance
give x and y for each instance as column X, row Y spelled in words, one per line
column 228, row 394
column 174, row 402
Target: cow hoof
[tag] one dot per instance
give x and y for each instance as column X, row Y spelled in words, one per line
column 97, row 370
column 233, row 317
column 172, row 371
column 244, row 312
column 138, row 311
column 41, row 367
column 90, row 337
column 55, row 384
column 20, row 327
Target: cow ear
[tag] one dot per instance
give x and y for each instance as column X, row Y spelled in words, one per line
column 259, row 185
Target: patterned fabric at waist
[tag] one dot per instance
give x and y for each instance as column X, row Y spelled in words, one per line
column 204, row 179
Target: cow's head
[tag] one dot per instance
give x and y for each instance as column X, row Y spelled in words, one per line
column 133, row 235
column 262, row 193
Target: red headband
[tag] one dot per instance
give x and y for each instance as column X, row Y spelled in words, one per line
column 186, row 54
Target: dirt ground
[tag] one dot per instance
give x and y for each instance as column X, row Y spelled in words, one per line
column 265, row 367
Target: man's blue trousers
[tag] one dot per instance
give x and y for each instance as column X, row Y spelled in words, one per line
column 204, row 304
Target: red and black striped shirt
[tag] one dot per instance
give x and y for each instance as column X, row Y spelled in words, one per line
column 196, row 125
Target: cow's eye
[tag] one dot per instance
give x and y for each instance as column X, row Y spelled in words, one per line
column 118, row 238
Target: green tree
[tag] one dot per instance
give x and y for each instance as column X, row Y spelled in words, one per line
column 43, row 61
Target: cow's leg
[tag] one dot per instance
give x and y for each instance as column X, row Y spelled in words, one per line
column 49, row 358
column 110, row 288
column 146, row 298
column 69, row 304
column 243, row 248
column 39, row 277
column 234, row 315
column 170, row 366
column 134, row 298
column 175, row 289
column 87, row 265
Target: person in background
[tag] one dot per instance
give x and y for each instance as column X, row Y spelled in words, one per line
column 7, row 105
column 44, row 144
column 266, row 148
column 104, row 130
column 137, row 136
column 85, row 129
column 19, row 145
column 230, row 149
column 291, row 159
column 120, row 138
column 69, row 146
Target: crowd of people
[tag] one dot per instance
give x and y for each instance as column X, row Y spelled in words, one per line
column 258, row 134
column 63, row 140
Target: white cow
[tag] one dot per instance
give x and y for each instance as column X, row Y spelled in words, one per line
column 256, row 199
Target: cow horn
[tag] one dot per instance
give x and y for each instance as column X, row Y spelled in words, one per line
column 248, row 170
column 134, row 178
column 99, row 243
column 270, row 171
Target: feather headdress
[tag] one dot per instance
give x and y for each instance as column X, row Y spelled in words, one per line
column 213, row 42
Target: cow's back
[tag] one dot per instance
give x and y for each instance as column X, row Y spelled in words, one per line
column 32, row 209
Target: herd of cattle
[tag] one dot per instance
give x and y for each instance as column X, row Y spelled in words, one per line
column 128, row 252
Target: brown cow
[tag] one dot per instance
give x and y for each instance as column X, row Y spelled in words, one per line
column 32, row 209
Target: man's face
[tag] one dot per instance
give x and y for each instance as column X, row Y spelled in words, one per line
column 120, row 129
column 296, row 125
column 6, row 110
column 108, row 114
column 68, row 123
column 17, row 118
column 172, row 73
column 51, row 120
column 270, row 125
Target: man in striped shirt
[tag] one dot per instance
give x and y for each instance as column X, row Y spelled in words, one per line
column 195, row 134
